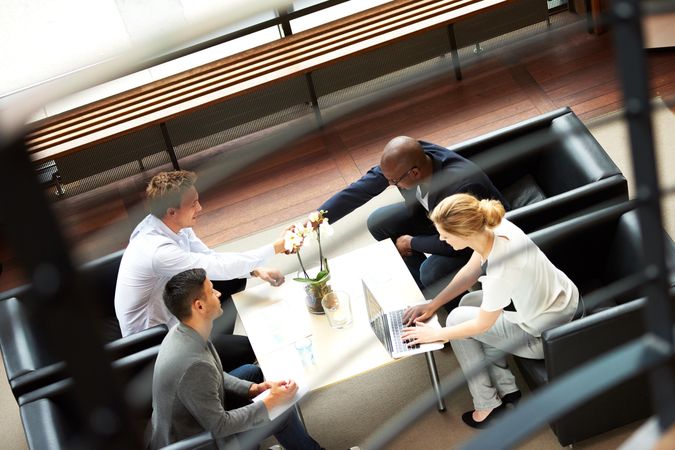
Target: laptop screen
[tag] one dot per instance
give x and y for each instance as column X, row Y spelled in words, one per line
column 377, row 319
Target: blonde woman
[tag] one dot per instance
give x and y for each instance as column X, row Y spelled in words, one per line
column 522, row 294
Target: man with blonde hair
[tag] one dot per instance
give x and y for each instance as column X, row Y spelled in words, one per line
column 164, row 244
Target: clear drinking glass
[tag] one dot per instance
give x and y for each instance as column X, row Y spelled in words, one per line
column 306, row 351
column 338, row 309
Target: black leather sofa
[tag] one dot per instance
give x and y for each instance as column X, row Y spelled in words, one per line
column 552, row 169
column 52, row 419
column 29, row 361
column 604, row 252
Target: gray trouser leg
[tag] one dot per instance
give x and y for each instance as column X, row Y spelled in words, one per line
column 489, row 385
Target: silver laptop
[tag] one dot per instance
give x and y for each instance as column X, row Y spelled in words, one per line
column 388, row 325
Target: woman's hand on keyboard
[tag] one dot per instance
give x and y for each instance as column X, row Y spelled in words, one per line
column 418, row 313
column 420, row 334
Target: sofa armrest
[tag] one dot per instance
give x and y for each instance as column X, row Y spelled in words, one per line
column 201, row 441
column 117, row 349
column 476, row 145
column 136, row 342
column 18, row 291
column 577, row 342
column 577, row 201
column 571, row 345
column 123, row 367
column 576, row 158
column 52, row 390
column 38, row 378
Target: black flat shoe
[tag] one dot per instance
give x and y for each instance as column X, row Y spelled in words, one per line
column 467, row 417
column 511, row 399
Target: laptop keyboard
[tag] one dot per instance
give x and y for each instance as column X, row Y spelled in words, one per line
column 396, row 321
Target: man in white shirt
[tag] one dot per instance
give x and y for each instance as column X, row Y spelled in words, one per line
column 164, row 244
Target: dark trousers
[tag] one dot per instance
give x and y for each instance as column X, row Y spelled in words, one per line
column 287, row 428
column 234, row 350
column 431, row 274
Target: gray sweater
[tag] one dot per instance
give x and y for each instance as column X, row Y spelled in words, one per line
column 190, row 393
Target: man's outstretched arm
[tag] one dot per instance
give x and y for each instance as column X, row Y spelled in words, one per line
column 356, row 194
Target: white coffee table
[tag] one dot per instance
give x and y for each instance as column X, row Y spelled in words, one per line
column 275, row 318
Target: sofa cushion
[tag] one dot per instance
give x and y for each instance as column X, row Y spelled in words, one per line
column 524, row 191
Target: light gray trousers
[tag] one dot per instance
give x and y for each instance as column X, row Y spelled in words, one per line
column 489, row 386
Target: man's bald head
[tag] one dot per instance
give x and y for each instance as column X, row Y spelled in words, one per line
column 402, row 151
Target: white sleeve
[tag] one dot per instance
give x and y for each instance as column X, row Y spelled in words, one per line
column 196, row 244
column 169, row 259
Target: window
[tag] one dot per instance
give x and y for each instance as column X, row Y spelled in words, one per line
column 329, row 14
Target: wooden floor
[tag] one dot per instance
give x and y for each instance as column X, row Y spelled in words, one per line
column 564, row 66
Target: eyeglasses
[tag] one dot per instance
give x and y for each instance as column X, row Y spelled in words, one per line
column 396, row 181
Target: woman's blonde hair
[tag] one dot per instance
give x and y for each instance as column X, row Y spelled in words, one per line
column 464, row 215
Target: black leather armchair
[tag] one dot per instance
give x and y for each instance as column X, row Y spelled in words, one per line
column 601, row 254
column 51, row 419
column 29, row 362
column 117, row 349
column 557, row 170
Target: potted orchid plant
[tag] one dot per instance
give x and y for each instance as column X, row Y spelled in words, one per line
column 302, row 233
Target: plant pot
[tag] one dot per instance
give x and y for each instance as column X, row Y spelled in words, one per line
column 314, row 292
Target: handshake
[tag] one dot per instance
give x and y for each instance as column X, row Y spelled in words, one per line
column 272, row 276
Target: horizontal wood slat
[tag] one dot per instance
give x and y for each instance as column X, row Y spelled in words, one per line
column 244, row 72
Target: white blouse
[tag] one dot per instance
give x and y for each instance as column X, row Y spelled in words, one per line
column 518, row 271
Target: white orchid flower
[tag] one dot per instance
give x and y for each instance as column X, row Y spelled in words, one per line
column 292, row 240
column 326, row 229
column 289, row 241
column 300, row 229
column 314, row 216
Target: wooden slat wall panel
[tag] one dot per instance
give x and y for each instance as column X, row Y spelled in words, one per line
column 248, row 71
column 201, row 129
column 512, row 16
column 381, row 61
column 111, row 154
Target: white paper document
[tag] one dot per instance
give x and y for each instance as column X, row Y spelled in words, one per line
column 280, row 326
column 280, row 409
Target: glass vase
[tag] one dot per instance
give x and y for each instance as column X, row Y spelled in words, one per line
column 315, row 291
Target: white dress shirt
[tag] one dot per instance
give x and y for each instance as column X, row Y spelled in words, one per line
column 154, row 255
column 422, row 197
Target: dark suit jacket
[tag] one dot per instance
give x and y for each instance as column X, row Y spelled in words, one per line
column 452, row 174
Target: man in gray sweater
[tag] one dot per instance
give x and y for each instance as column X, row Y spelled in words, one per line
column 191, row 393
